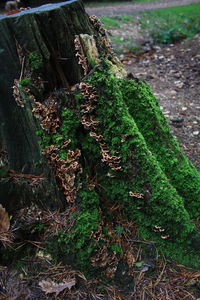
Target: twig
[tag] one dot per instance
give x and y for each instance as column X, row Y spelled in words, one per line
column 22, row 69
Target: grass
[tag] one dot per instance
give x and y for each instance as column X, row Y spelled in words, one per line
column 110, row 22
column 172, row 24
column 163, row 26
column 114, row 22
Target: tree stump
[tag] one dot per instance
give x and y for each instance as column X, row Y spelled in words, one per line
column 83, row 137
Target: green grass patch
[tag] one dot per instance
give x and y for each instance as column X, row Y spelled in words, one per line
column 116, row 21
column 110, row 22
column 172, row 24
column 163, row 26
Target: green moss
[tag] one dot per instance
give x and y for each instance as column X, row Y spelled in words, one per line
column 117, row 249
column 77, row 246
column 36, row 61
column 141, row 171
column 70, row 126
column 44, row 139
column 181, row 252
column 119, row 229
column 81, row 242
column 39, row 228
column 68, row 130
column 26, row 82
column 92, row 62
column 153, row 126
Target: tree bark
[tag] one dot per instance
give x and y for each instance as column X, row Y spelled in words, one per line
column 48, row 32
column 81, row 135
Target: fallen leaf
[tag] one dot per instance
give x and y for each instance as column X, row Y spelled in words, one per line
column 130, row 259
column 184, row 108
column 4, row 220
column 49, row 286
column 195, row 132
column 179, row 84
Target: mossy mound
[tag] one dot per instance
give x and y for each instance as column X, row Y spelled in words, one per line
column 153, row 126
column 130, row 159
column 121, row 172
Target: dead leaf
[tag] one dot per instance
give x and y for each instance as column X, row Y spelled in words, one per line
column 4, row 220
column 130, row 259
column 49, row 286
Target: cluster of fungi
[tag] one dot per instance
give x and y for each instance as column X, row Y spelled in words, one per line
column 48, row 116
column 16, row 94
column 82, row 59
column 65, row 170
column 89, row 122
column 102, row 34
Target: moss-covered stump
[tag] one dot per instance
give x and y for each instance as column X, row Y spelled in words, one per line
column 126, row 170
column 92, row 141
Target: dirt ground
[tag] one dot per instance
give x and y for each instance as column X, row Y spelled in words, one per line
column 133, row 7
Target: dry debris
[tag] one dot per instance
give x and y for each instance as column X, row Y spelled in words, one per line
column 49, row 286
column 48, row 116
column 65, row 170
column 4, row 220
column 6, row 235
column 152, row 277
column 31, row 179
